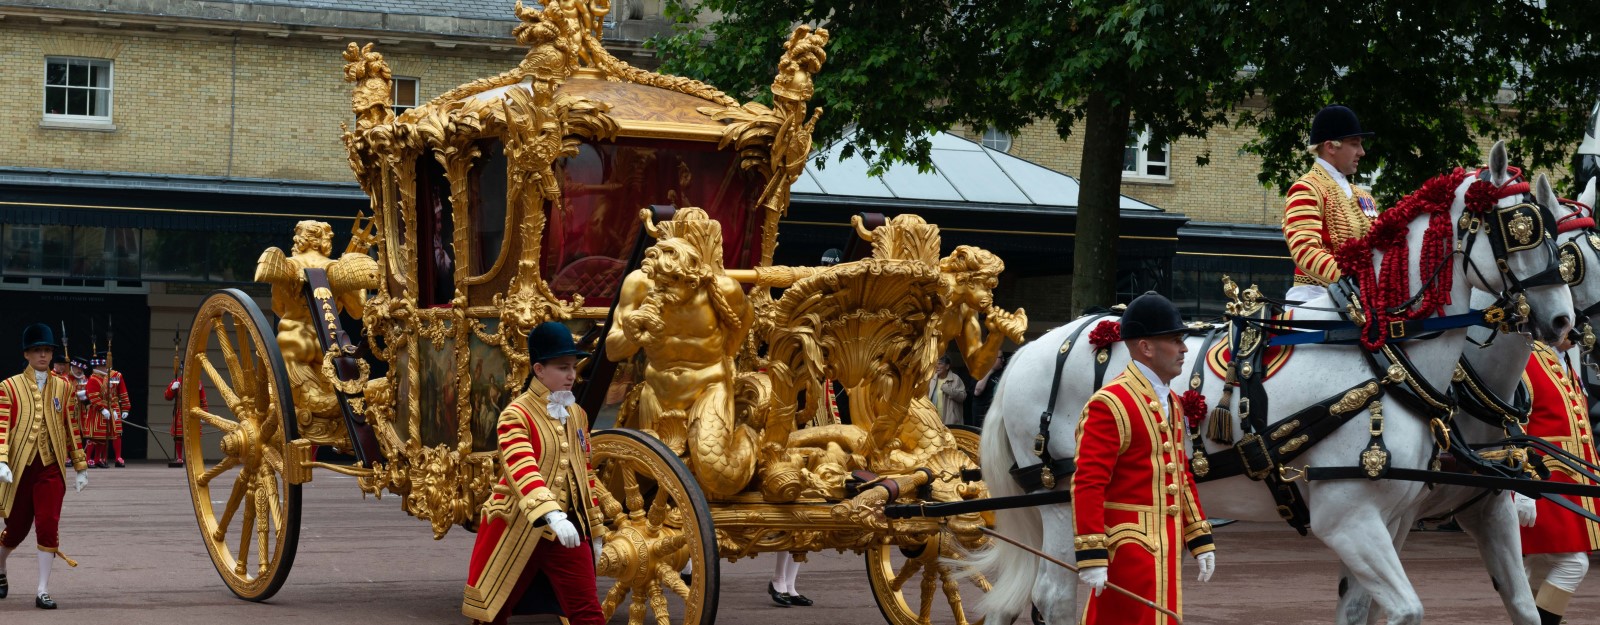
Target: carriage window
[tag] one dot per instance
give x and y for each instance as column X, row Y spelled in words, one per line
column 436, row 260
column 489, row 205
column 593, row 230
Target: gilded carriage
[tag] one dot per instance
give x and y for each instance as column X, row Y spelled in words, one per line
column 642, row 210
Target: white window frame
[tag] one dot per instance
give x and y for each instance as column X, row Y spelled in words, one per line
column 394, row 93
column 109, row 90
column 996, row 139
column 1142, row 162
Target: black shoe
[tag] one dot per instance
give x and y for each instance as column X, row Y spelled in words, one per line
column 43, row 602
column 778, row 597
column 5, row 587
column 688, row 578
column 799, row 600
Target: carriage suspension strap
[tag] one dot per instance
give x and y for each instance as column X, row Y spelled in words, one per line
column 347, row 369
column 1048, row 472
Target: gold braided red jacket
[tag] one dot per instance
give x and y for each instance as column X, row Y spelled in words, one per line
column 1317, row 219
column 1560, row 415
column 547, row 468
column 1133, row 500
column 35, row 424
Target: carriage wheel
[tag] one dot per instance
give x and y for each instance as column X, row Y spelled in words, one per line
column 665, row 528
column 891, row 568
column 249, row 514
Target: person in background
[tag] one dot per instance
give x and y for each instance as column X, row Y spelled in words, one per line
column 947, row 392
column 983, row 391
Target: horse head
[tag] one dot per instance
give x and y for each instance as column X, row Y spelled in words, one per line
column 1519, row 263
column 1578, row 249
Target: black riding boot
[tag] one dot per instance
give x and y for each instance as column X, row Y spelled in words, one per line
column 1547, row 617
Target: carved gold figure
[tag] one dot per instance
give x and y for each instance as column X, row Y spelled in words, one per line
column 716, row 454
column 690, row 319
column 349, row 276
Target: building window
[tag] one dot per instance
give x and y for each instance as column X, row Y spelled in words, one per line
column 995, row 139
column 405, row 94
column 1142, row 160
column 77, row 89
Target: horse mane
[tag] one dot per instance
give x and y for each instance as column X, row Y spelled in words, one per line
column 1385, row 291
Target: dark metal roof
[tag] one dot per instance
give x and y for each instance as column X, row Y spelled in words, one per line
column 475, row 9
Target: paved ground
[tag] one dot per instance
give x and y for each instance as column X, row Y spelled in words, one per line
column 365, row 561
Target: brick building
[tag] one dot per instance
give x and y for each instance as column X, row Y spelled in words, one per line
column 155, row 147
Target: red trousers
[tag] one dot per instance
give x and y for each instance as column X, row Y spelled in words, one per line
column 39, row 494
column 571, row 575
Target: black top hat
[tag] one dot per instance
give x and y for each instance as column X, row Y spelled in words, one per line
column 1335, row 122
column 552, row 339
column 38, row 335
column 1151, row 315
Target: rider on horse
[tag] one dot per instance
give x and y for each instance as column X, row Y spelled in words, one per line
column 1324, row 210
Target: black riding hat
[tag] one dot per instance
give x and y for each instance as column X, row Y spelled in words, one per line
column 38, row 335
column 1335, row 122
column 552, row 339
column 1151, row 315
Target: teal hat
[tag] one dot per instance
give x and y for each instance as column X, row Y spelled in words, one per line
column 38, row 335
column 552, row 339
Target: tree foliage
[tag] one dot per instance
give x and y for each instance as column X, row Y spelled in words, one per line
column 1428, row 76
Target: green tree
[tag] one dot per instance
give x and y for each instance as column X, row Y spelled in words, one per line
column 1424, row 74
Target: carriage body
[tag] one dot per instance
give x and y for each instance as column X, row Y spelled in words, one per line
column 517, row 199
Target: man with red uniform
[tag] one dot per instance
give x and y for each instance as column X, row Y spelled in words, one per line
column 1555, row 549
column 1323, row 209
column 108, row 406
column 37, row 440
column 173, row 395
column 538, row 523
column 80, row 368
column 1133, row 499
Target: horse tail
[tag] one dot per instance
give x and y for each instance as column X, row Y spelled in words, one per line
column 1009, row 569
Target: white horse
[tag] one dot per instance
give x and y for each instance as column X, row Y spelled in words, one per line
column 1491, row 520
column 1360, row 520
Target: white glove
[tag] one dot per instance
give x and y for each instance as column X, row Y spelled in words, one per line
column 1095, row 577
column 83, row 395
column 105, row 413
column 82, row 481
column 598, row 545
column 5, row 473
column 1208, row 565
column 566, row 534
column 124, row 415
column 175, row 385
column 1527, row 512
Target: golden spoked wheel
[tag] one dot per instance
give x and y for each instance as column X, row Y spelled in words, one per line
column 908, row 582
column 665, row 528
column 249, row 514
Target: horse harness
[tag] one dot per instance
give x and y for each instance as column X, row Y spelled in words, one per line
column 1052, row 471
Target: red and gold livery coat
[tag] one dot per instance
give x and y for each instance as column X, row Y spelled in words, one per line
column 1560, row 415
column 172, row 395
column 100, row 398
column 1133, row 500
column 547, row 468
column 1317, row 219
column 36, row 424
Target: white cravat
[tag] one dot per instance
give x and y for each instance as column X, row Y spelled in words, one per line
column 1337, row 175
column 1163, row 392
column 558, row 402
column 41, row 377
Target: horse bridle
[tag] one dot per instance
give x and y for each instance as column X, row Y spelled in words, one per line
column 1571, row 254
column 1531, row 225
